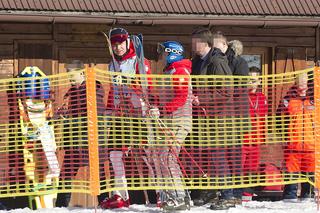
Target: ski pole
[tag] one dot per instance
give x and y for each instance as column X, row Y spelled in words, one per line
column 164, row 127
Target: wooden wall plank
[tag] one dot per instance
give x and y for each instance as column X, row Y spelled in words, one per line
column 94, row 28
column 254, row 31
column 21, row 36
column 6, row 52
column 25, row 28
column 187, row 30
column 6, row 61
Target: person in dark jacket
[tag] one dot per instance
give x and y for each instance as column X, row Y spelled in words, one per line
column 74, row 114
column 211, row 103
column 239, row 67
column 237, row 64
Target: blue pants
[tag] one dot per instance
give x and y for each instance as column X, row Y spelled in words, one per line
column 290, row 190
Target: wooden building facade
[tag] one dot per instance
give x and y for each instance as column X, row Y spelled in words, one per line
column 50, row 33
column 51, row 45
column 278, row 36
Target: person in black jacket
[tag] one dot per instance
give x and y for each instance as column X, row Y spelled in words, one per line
column 239, row 67
column 237, row 64
column 212, row 104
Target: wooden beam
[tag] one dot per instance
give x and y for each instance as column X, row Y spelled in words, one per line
column 21, row 36
column 25, row 28
column 317, row 41
column 254, row 31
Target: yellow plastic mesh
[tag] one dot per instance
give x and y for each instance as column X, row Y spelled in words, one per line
column 211, row 133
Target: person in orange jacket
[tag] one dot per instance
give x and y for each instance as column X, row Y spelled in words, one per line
column 298, row 111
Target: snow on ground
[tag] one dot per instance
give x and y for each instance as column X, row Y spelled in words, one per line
column 251, row 207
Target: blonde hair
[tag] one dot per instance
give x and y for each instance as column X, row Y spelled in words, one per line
column 236, row 46
column 302, row 79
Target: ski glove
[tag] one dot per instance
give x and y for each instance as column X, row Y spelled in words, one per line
column 154, row 113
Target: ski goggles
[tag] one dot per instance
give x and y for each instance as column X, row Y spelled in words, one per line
column 161, row 49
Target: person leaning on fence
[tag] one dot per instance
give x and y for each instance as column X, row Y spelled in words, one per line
column 175, row 123
column 126, row 110
column 212, row 103
column 74, row 114
column 297, row 114
column 257, row 135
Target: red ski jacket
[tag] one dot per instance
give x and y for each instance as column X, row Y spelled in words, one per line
column 258, row 111
column 180, row 72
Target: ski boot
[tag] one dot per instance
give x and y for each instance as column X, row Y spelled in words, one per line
column 114, row 202
column 247, row 196
column 175, row 205
column 223, row 204
column 206, row 196
column 2, row 207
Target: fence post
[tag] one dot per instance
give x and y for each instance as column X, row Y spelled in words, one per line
column 317, row 127
column 92, row 131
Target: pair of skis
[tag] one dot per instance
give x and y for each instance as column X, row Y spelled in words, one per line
column 35, row 127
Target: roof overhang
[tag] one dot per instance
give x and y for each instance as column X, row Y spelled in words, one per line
column 157, row 19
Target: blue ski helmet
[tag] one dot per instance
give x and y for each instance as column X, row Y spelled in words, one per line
column 175, row 50
column 33, row 86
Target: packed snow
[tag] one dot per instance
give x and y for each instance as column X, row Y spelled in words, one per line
column 252, row 207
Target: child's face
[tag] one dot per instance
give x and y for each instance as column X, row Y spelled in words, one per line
column 302, row 84
column 254, row 82
column 76, row 78
column 162, row 60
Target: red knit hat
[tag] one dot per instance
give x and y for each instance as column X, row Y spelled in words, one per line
column 118, row 35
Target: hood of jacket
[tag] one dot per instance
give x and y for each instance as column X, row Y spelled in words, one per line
column 184, row 63
column 217, row 53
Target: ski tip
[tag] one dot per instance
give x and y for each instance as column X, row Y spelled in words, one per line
column 103, row 33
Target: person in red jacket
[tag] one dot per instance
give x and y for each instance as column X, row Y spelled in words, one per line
column 125, row 106
column 258, row 108
column 175, row 109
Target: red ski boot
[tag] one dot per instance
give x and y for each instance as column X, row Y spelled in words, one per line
column 114, row 202
column 247, row 196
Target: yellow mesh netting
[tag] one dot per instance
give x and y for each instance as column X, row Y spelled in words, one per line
column 216, row 133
